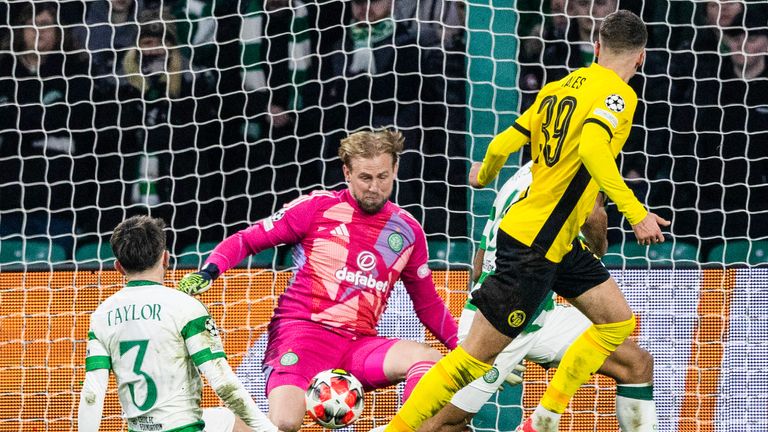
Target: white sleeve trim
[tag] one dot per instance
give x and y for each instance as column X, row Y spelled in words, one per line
column 92, row 400
column 231, row 391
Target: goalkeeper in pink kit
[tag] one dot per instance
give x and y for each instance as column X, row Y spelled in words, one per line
column 351, row 246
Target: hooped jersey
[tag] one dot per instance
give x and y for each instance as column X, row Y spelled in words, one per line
column 548, row 215
column 507, row 195
column 347, row 263
column 152, row 338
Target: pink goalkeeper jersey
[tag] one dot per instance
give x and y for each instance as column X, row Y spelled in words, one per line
column 348, row 262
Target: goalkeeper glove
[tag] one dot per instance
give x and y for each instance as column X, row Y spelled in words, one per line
column 199, row 282
column 516, row 376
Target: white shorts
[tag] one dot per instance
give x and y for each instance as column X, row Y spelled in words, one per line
column 546, row 346
column 218, row 419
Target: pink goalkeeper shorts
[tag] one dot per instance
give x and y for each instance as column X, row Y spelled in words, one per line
column 297, row 350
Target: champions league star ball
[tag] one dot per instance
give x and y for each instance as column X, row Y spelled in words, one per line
column 615, row 103
column 334, row 398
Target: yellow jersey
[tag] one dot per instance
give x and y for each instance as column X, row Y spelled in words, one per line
column 577, row 126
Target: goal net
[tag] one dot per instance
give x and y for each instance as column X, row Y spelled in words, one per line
column 214, row 114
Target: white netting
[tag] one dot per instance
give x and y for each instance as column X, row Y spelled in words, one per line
column 226, row 111
column 232, row 108
column 694, row 154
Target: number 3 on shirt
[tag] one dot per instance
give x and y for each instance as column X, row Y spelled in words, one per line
column 151, row 398
column 565, row 110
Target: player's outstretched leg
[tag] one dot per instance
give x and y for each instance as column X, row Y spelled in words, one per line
column 613, row 322
column 452, row 372
column 630, row 365
column 405, row 360
column 287, row 407
column 632, row 368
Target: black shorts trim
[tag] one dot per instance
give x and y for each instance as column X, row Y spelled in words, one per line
column 579, row 271
column 510, row 297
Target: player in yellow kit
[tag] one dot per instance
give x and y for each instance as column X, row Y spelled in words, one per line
column 576, row 128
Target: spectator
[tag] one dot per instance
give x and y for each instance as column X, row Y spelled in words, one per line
column 733, row 124
column 564, row 42
column 286, row 51
column 672, row 89
column 111, row 29
column 445, row 133
column 276, row 68
column 45, row 142
column 531, row 54
column 444, row 17
column 748, row 47
column 385, row 72
column 717, row 107
column 701, row 56
column 372, row 70
column 5, row 29
column 443, row 112
column 258, row 54
column 169, row 115
column 587, row 16
column 578, row 50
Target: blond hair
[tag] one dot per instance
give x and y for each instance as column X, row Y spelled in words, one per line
column 371, row 143
column 173, row 75
column 157, row 23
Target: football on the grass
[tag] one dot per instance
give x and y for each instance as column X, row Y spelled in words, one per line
column 334, row 398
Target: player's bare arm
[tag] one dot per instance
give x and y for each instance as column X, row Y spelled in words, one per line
column 648, row 230
column 595, row 229
column 477, row 264
column 473, row 171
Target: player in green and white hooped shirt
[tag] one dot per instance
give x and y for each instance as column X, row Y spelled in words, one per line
column 157, row 341
column 548, row 336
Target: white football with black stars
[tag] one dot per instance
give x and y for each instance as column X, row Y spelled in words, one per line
column 615, row 103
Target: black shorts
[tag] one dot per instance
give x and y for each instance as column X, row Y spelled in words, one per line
column 510, row 297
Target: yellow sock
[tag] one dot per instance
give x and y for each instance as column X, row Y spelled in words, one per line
column 436, row 388
column 582, row 359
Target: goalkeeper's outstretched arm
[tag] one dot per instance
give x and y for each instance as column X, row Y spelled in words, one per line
column 287, row 226
column 224, row 382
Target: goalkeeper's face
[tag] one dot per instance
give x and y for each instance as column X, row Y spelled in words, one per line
column 371, row 181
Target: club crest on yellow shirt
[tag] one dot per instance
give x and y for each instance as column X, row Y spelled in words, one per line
column 516, row 318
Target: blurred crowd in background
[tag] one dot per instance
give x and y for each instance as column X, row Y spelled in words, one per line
column 698, row 152
column 213, row 114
